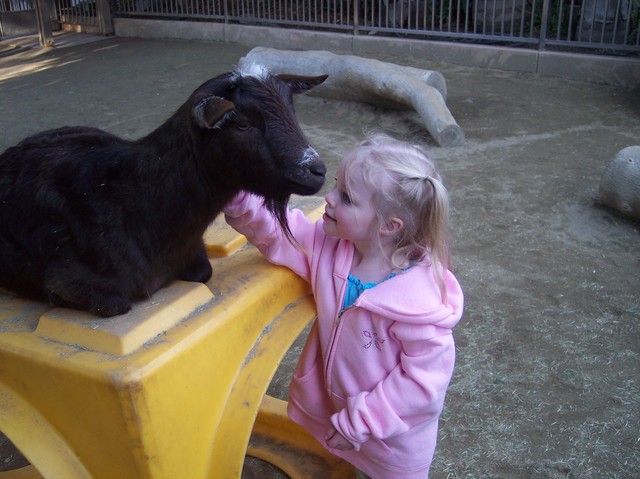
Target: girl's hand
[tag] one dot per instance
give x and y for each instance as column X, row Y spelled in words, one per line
column 335, row 440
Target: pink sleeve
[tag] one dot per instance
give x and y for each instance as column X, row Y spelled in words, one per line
column 247, row 215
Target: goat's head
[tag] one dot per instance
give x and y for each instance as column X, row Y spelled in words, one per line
column 247, row 120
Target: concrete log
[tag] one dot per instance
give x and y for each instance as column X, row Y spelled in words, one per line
column 620, row 183
column 370, row 81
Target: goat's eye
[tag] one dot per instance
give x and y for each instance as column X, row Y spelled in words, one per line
column 243, row 125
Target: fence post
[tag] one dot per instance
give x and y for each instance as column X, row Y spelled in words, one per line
column 43, row 16
column 104, row 17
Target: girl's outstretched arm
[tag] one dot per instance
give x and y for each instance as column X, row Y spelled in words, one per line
column 247, row 215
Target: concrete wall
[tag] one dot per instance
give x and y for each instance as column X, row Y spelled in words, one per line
column 19, row 23
column 620, row 71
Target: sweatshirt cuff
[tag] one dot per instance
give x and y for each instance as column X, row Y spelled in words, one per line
column 340, row 421
column 236, row 207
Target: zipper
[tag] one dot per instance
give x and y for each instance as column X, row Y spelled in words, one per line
column 334, row 337
column 336, row 328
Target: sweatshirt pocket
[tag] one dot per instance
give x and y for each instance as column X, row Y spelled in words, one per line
column 308, row 393
column 376, row 449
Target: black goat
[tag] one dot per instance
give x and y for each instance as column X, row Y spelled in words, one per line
column 91, row 221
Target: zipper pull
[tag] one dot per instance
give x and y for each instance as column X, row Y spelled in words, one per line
column 342, row 311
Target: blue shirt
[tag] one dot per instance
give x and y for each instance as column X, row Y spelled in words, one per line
column 355, row 288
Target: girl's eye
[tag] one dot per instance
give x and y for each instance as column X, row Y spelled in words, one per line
column 346, row 198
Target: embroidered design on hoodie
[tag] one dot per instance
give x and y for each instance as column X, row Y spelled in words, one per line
column 373, row 338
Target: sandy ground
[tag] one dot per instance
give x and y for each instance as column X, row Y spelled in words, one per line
column 548, row 371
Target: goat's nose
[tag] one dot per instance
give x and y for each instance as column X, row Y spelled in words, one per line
column 309, row 155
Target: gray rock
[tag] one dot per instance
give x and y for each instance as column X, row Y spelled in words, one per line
column 620, row 183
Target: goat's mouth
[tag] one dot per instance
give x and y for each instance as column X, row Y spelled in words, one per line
column 306, row 181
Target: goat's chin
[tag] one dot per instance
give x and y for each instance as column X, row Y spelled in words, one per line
column 278, row 208
column 306, row 185
column 307, row 189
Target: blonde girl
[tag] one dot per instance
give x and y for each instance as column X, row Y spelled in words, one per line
column 371, row 380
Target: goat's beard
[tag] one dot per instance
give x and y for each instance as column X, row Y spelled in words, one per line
column 278, row 208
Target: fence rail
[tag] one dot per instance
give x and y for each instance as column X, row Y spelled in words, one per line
column 603, row 26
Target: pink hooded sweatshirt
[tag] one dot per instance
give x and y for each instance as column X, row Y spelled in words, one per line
column 377, row 371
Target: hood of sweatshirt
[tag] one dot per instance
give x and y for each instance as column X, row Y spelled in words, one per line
column 414, row 297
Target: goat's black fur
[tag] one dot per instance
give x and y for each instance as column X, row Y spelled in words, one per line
column 91, row 221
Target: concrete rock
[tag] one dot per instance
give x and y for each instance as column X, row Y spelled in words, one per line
column 371, row 81
column 620, row 183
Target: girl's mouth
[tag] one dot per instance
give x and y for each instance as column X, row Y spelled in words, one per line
column 327, row 217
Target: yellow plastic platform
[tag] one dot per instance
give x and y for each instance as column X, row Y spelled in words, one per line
column 172, row 389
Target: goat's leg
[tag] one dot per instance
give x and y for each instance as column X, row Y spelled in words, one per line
column 73, row 285
column 198, row 269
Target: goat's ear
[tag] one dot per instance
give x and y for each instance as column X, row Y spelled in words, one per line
column 210, row 111
column 299, row 83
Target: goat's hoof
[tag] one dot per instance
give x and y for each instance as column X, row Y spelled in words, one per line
column 198, row 272
column 112, row 307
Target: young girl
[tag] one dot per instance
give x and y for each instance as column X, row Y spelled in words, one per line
column 371, row 380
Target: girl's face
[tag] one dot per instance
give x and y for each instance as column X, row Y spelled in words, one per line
column 351, row 215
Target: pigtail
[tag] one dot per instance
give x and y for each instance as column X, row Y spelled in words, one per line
column 438, row 221
column 426, row 231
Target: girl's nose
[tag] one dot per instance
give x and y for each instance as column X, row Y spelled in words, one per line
column 329, row 197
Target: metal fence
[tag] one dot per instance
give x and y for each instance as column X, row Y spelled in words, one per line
column 73, row 12
column 76, row 12
column 19, row 17
column 607, row 26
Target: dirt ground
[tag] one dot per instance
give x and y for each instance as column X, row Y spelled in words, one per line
column 548, row 352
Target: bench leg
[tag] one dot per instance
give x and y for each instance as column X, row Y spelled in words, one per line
column 281, row 442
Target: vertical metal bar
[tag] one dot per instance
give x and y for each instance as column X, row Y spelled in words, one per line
column 356, row 15
column 512, row 17
column 593, row 20
column 604, row 20
column 616, row 19
column 560, row 20
column 629, row 24
column 467, row 14
column 546, row 5
column 569, row 21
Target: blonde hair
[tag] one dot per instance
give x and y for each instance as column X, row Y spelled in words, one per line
column 406, row 186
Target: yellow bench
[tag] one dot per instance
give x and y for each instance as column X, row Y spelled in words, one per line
column 171, row 390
